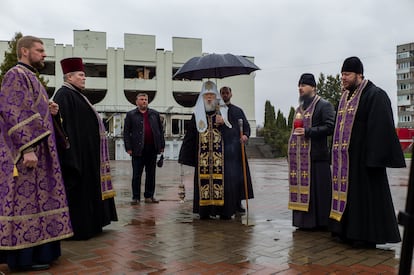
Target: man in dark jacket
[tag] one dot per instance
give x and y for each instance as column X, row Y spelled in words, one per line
column 309, row 169
column 144, row 139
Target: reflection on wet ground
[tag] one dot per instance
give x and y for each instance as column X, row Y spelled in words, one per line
column 166, row 238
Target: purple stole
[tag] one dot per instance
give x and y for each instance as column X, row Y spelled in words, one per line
column 211, row 165
column 107, row 189
column 299, row 162
column 340, row 155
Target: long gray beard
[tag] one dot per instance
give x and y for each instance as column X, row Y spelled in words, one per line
column 209, row 107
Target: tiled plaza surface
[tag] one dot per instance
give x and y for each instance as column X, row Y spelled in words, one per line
column 166, row 238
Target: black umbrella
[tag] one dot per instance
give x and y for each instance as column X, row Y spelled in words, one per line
column 215, row 66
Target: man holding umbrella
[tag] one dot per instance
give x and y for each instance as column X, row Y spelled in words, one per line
column 203, row 148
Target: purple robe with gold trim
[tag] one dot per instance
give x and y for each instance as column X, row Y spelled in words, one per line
column 33, row 205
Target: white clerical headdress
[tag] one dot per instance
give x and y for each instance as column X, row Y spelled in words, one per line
column 200, row 112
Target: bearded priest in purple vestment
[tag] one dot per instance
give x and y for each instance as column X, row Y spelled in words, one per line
column 309, row 169
column 365, row 143
column 34, row 214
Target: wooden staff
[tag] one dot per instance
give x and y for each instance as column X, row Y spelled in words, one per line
column 246, row 191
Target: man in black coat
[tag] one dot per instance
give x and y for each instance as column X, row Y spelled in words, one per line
column 85, row 164
column 144, row 140
column 365, row 143
column 233, row 143
column 309, row 158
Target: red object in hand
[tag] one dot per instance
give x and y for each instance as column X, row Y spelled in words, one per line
column 298, row 123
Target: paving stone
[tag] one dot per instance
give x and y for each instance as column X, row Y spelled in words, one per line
column 166, row 238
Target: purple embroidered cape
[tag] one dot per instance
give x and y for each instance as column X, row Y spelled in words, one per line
column 299, row 162
column 33, row 205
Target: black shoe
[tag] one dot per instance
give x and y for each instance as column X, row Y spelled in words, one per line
column 240, row 209
column 37, row 267
column 363, row 245
column 305, row 229
column 151, row 200
column 205, row 217
column 34, row 267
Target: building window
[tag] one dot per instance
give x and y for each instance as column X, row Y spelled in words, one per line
column 175, row 126
column 95, row 70
column 403, row 65
column 140, row 72
column 49, row 68
column 403, row 55
column 404, row 86
column 404, row 76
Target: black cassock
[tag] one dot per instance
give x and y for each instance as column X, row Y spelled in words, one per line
column 233, row 173
column 81, row 166
column 369, row 215
column 233, row 155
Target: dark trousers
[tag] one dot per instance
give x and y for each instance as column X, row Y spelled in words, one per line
column 148, row 160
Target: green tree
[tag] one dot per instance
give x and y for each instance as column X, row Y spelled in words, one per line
column 269, row 119
column 281, row 137
column 280, row 121
column 329, row 88
column 291, row 117
column 10, row 59
column 269, row 127
column 275, row 130
column 10, row 56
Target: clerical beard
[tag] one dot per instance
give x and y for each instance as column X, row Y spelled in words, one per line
column 303, row 99
column 209, row 107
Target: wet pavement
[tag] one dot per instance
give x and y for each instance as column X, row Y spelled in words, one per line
column 166, row 238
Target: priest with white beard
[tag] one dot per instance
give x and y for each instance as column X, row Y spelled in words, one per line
column 203, row 148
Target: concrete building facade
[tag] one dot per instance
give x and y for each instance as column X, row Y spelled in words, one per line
column 116, row 75
column 405, row 85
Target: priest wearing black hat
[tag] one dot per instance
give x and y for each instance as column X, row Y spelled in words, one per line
column 365, row 143
column 309, row 169
column 85, row 164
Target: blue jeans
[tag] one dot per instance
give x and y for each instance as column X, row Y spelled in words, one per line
column 148, row 160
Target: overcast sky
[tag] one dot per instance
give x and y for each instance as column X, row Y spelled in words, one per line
column 286, row 37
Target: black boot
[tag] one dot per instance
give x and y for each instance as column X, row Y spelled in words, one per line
column 240, row 209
